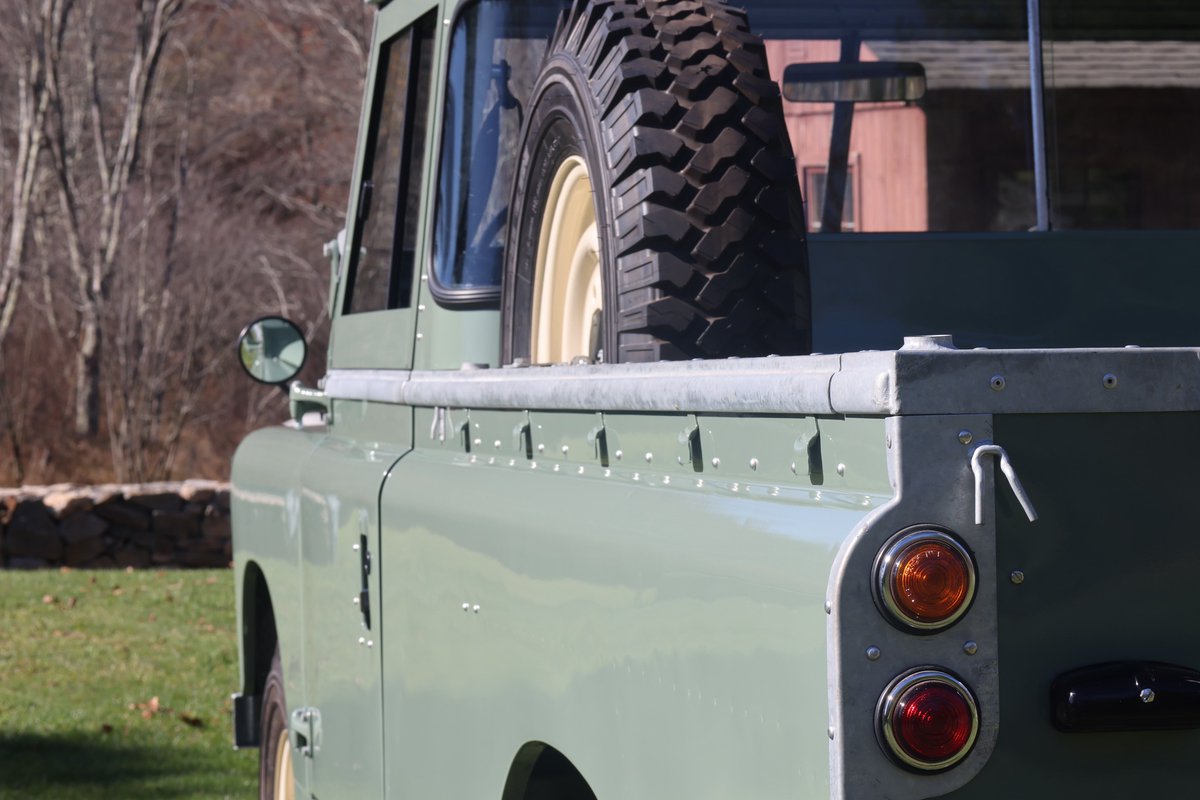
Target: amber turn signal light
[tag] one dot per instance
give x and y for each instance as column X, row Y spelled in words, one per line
column 924, row 579
column 927, row 720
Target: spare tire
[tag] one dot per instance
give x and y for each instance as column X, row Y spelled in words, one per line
column 656, row 213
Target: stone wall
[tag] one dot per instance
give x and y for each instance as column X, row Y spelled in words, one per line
column 162, row 524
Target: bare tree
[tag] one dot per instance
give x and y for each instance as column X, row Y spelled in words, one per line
column 108, row 165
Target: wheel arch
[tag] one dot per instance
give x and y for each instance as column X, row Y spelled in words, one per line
column 541, row 772
column 259, row 634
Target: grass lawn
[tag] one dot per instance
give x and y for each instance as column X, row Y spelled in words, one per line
column 116, row 685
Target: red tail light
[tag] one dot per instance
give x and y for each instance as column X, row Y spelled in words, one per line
column 924, row 579
column 928, row 720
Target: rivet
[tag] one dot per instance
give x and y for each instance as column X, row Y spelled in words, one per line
column 887, row 440
column 477, row 442
column 354, row 600
column 361, row 640
column 421, row 307
column 1110, row 381
column 793, row 467
column 830, row 733
column 541, row 448
column 466, row 606
column 425, row 277
column 716, row 462
column 970, row 648
column 841, row 469
column 496, row 444
column 965, row 437
column 998, row 383
column 828, row 606
column 1017, row 576
column 649, row 457
column 420, row 336
column 1147, row 695
column 354, row 547
column 475, row 608
column 370, row 643
column 873, row 653
column 754, row 463
column 618, row 454
column 565, row 448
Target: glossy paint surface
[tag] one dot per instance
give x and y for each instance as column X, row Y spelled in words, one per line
column 663, row 627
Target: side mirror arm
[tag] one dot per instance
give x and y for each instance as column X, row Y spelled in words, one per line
column 302, row 400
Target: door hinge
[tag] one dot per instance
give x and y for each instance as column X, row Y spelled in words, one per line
column 305, row 730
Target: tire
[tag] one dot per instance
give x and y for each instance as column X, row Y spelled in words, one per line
column 275, row 778
column 698, row 238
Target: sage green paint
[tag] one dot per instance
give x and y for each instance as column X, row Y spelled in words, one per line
column 339, row 505
column 384, row 339
column 265, row 517
column 662, row 627
column 1110, row 575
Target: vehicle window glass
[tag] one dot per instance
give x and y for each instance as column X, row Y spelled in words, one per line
column 957, row 158
column 389, row 199
column 1122, row 112
column 496, row 49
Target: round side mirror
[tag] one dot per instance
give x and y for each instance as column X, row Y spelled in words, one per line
column 272, row 350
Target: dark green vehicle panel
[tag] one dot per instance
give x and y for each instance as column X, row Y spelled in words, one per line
column 1109, row 575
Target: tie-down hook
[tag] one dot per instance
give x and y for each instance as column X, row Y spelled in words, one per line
column 988, row 449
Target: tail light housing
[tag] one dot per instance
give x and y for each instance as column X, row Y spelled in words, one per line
column 927, row 720
column 924, row 579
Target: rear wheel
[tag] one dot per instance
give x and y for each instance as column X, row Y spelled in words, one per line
column 275, row 778
column 656, row 212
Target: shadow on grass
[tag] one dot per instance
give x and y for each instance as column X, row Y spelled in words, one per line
column 75, row 766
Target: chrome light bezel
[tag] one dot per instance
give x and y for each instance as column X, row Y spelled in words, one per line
column 886, row 710
column 885, row 561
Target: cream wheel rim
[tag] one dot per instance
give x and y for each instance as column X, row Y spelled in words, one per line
column 285, row 785
column 567, row 291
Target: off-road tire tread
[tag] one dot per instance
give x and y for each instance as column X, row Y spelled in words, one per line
column 708, row 218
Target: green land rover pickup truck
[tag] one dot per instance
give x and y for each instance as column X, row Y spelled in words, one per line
column 798, row 401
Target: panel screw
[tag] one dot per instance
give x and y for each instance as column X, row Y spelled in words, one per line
column 649, row 457
column 361, row 640
column 496, row 444
column 970, row 648
column 873, row 653
column 998, row 383
column 565, row 448
column 1017, row 577
column 354, row 599
column 541, row 448
column 1147, row 695
column 1110, row 382
column 841, row 469
column 466, row 606
column 618, row 454
column 370, row 643
column 754, row 463
column 965, row 437
column 475, row 608
column 716, row 462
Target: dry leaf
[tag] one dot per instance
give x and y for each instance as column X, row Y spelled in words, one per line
column 188, row 719
column 48, row 599
column 117, row 591
column 72, row 602
column 106, row 728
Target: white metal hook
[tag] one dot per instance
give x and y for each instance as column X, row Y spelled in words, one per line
column 1006, row 467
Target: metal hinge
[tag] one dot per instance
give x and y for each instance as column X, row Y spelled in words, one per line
column 305, row 730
